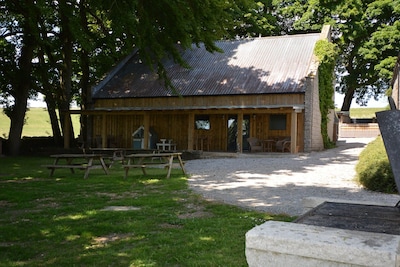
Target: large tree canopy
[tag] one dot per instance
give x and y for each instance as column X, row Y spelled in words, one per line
column 367, row 33
column 60, row 48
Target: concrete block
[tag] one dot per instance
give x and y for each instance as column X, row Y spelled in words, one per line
column 292, row 244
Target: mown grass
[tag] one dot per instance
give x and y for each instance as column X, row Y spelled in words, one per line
column 364, row 113
column 37, row 123
column 60, row 221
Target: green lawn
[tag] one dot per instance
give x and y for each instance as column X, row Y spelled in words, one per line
column 62, row 221
column 365, row 112
column 37, row 123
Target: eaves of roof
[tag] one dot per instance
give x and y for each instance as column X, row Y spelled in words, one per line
column 186, row 108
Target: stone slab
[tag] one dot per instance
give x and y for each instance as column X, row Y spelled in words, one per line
column 354, row 216
column 312, row 202
column 293, row 244
column 389, row 124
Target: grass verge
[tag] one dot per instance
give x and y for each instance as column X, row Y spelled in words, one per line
column 64, row 220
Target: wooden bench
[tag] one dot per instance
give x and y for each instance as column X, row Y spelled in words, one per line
column 166, row 161
column 72, row 167
column 142, row 166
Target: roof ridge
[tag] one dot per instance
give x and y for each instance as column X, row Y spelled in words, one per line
column 298, row 35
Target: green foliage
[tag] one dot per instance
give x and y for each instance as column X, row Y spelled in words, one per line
column 62, row 48
column 61, row 221
column 326, row 53
column 367, row 34
column 373, row 169
column 252, row 19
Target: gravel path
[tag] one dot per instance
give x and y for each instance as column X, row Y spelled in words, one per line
column 278, row 183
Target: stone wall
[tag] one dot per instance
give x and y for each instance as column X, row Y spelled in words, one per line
column 312, row 129
column 358, row 130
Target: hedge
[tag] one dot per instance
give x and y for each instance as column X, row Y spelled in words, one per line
column 373, row 168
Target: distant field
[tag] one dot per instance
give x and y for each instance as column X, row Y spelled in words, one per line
column 364, row 112
column 37, row 123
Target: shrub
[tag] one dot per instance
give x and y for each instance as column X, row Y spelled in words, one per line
column 373, row 169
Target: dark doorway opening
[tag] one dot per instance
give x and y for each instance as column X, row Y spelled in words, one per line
column 232, row 133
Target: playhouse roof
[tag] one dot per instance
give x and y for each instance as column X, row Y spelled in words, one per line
column 265, row 65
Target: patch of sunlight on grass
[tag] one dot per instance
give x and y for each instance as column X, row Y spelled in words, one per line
column 73, row 217
column 45, row 232
column 143, row 263
column 151, row 181
column 28, row 178
column 207, row 238
column 91, row 212
column 16, row 167
column 72, row 237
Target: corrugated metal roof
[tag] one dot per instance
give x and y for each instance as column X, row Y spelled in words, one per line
column 247, row 66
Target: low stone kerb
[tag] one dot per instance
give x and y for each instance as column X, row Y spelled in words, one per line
column 283, row 244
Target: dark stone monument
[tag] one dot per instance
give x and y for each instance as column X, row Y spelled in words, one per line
column 368, row 218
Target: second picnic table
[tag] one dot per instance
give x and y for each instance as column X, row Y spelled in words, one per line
column 88, row 164
column 164, row 159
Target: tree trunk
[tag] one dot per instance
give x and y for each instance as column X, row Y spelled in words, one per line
column 348, row 97
column 49, row 98
column 86, row 96
column 51, row 109
column 22, row 86
column 66, row 74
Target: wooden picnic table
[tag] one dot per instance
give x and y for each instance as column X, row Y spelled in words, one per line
column 164, row 159
column 118, row 153
column 86, row 162
column 111, row 153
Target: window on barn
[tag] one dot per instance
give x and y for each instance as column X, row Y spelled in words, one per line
column 202, row 122
column 277, row 122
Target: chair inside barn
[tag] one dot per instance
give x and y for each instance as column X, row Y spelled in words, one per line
column 283, row 145
column 255, row 144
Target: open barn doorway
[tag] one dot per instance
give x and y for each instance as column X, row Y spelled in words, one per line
column 232, row 133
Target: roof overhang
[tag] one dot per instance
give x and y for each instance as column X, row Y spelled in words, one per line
column 296, row 108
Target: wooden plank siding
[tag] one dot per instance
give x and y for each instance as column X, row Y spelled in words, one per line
column 178, row 124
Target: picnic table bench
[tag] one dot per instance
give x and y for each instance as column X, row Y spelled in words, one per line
column 90, row 161
column 164, row 160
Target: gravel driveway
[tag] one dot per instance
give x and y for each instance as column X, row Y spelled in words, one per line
column 278, row 182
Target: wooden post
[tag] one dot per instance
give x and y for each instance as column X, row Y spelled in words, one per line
column 104, row 131
column 146, row 130
column 239, row 138
column 190, row 131
column 293, row 130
